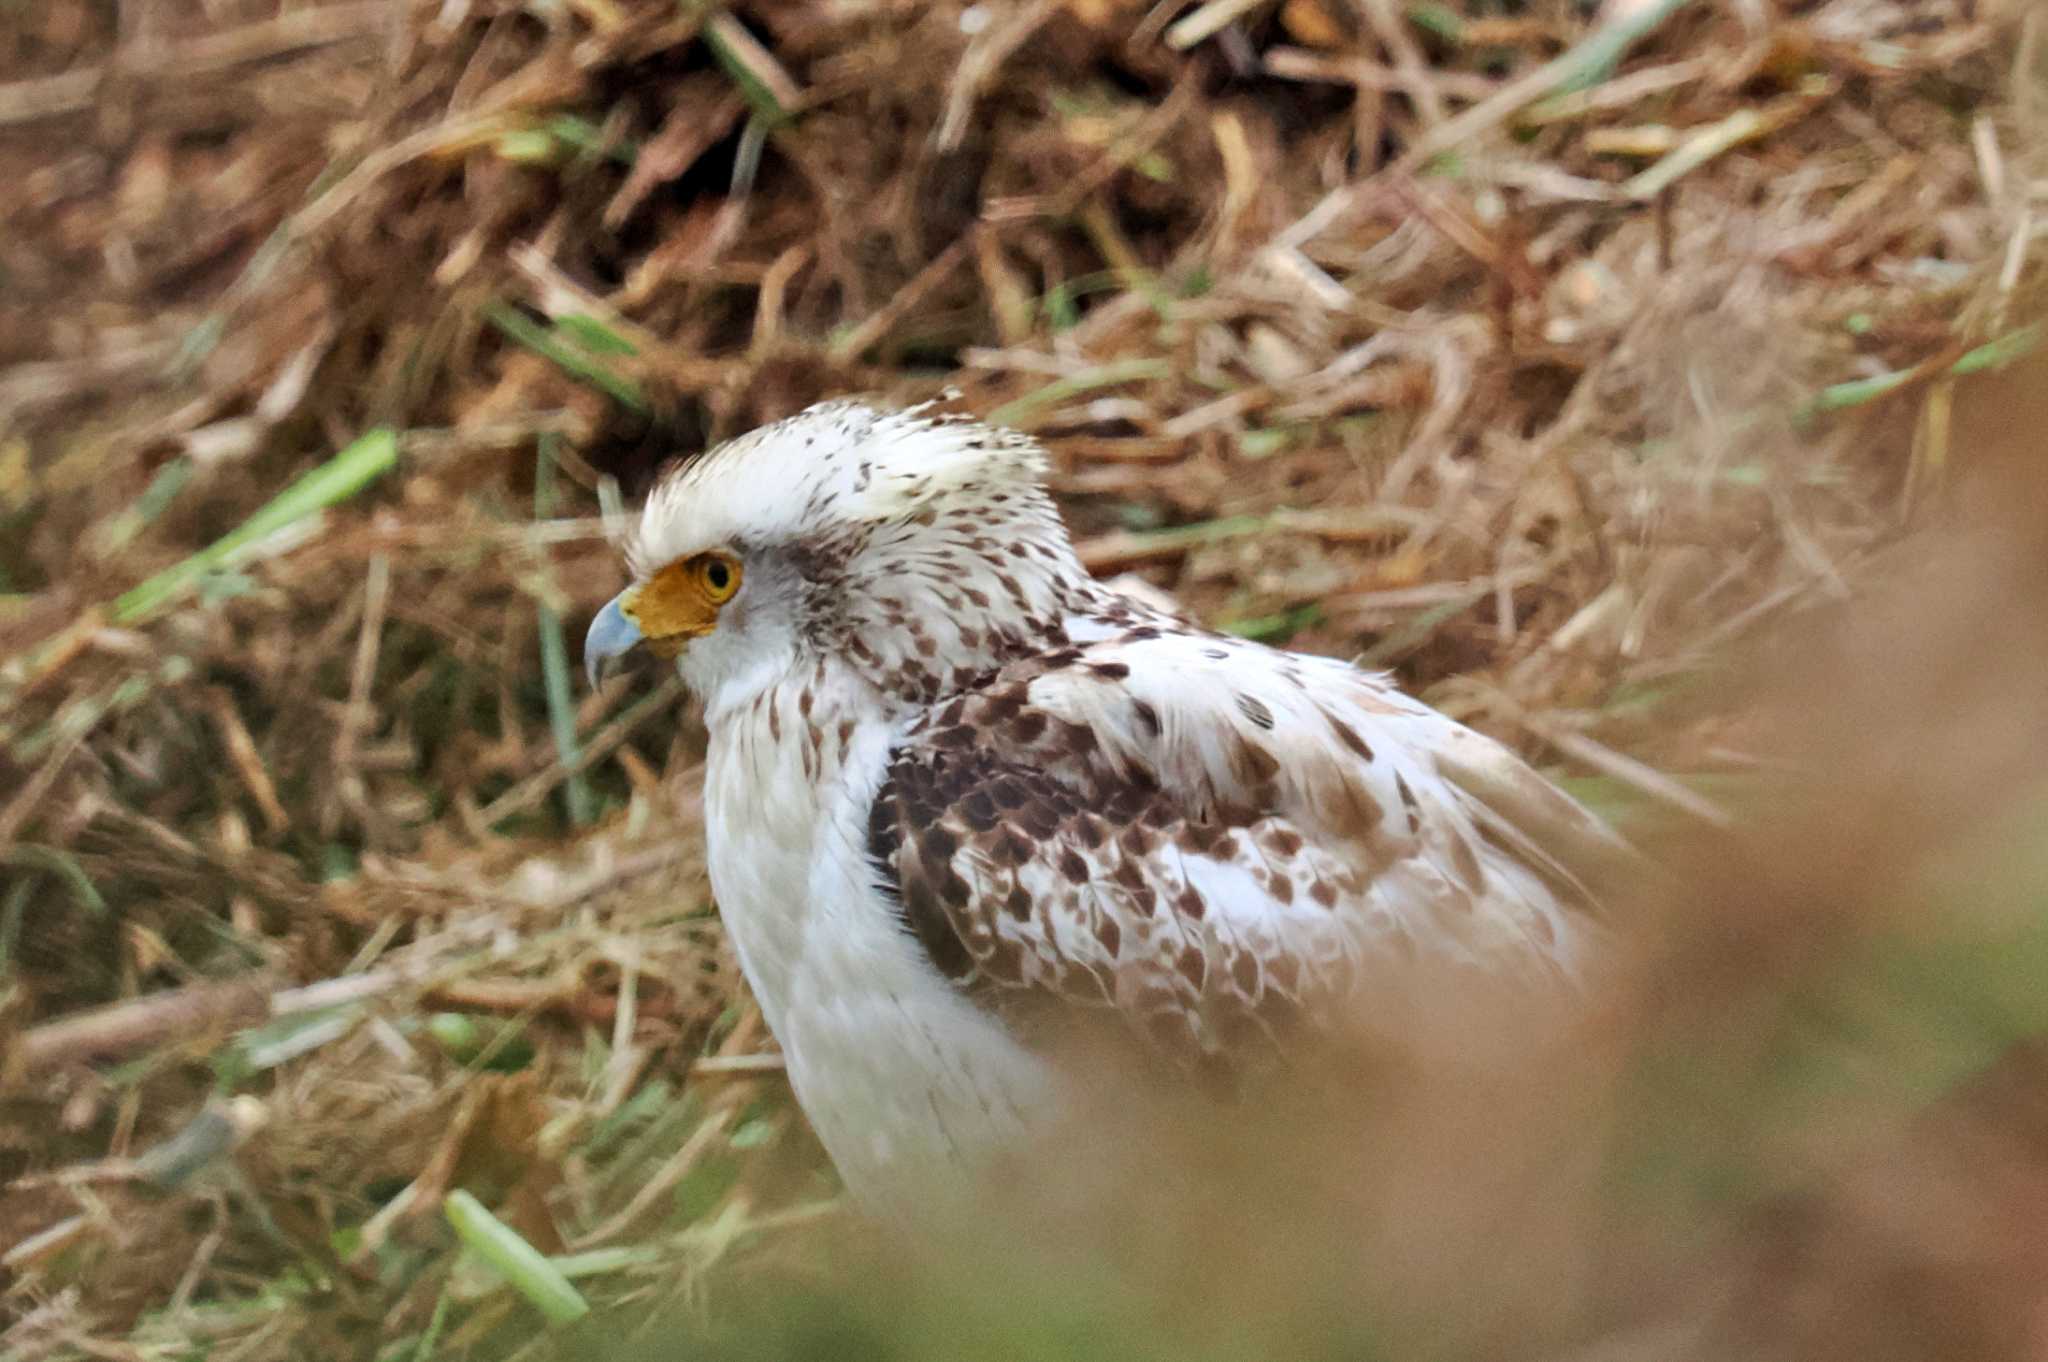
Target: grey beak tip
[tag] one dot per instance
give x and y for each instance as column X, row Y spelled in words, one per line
column 611, row 634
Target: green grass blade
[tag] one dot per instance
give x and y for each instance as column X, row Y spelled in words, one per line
column 340, row 478
column 525, row 1268
column 1993, row 354
column 729, row 43
column 1597, row 56
column 1060, row 389
column 60, row 863
column 1278, row 626
column 554, row 660
column 549, row 343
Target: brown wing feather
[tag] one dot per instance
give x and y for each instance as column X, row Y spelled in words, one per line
column 1213, row 842
column 1046, row 897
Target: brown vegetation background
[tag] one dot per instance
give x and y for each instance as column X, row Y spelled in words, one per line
column 1652, row 384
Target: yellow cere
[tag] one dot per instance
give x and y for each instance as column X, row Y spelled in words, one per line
column 681, row 601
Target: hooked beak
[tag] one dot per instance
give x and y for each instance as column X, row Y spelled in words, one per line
column 611, row 635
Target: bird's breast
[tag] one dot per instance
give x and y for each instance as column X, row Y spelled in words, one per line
column 900, row 1075
column 780, row 772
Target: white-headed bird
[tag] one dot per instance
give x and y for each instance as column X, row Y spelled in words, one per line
column 958, row 791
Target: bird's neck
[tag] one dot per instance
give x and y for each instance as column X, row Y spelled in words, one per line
column 907, row 1082
column 789, row 770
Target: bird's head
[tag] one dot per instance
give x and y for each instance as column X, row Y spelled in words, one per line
column 918, row 552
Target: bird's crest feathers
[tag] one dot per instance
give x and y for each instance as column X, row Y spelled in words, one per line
column 836, row 465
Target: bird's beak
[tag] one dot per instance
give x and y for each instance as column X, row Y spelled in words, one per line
column 611, row 635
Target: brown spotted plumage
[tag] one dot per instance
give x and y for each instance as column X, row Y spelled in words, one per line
column 958, row 793
column 1215, row 888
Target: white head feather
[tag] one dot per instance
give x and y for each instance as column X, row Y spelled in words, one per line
column 922, row 552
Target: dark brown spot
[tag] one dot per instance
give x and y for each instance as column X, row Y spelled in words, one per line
column 1282, row 841
column 1148, row 717
column 883, row 815
column 1323, row 892
column 1192, row 966
column 1466, row 861
column 1109, row 934
column 1018, row 904
column 1409, row 803
column 927, row 919
column 951, row 888
column 1254, row 709
column 1029, row 727
column 937, row 844
column 1348, row 736
column 1127, row 804
column 1110, row 671
column 1073, row 867
column 1188, row 903
column 1260, row 763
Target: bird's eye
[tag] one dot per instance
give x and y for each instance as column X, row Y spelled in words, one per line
column 720, row 577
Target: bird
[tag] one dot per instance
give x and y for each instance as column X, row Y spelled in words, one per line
column 958, row 793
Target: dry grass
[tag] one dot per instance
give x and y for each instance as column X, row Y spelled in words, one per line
column 1589, row 371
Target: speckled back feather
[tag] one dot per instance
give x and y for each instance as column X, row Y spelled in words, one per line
column 1217, row 841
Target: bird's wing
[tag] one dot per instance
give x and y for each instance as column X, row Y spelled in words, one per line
column 1215, row 840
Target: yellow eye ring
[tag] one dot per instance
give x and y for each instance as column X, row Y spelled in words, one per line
column 718, row 575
